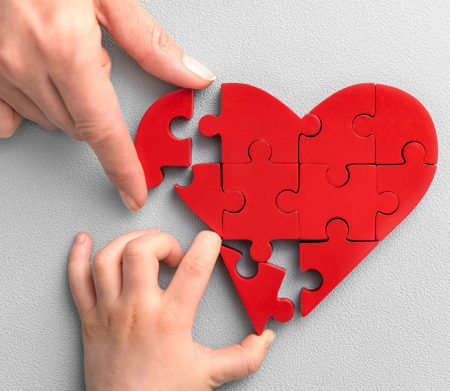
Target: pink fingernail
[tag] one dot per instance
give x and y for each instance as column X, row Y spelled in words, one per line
column 81, row 238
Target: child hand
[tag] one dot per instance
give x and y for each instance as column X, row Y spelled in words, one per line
column 55, row 72
column 137, row 336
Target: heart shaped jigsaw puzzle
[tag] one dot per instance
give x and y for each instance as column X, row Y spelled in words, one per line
column 337, row 180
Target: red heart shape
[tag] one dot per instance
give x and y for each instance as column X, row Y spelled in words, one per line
column 338, row 180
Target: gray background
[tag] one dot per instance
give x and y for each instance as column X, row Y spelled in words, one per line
column 386, row 327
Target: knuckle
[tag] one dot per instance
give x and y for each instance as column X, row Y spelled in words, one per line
column 91, row 131
column 68, row 42
column 12, row 67
column 135, row 249
column 195, row 266
column 161, row 41
column 253, row 363
column 160, row 44
column 98, row 264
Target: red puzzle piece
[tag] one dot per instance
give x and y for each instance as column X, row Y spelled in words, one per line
column 155, row 145
column 337, row 145
column 259, row 293
column 260, row 221
column 206, row 198
column 409, row 181
column 399, row 119
column 334, row 259
column 317, row 202
column 249, row 114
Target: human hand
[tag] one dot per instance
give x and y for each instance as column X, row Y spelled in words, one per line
column 55, row 72
column 137, row 336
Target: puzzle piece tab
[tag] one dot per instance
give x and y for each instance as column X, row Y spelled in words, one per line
column 155, row 145
column 334, row 259
column 259, row 293
column 399, row 119
column 409, row 181
column 337, row 145
column 260, row 221
column 206, row 198
column 357, row 202
column 249, row 114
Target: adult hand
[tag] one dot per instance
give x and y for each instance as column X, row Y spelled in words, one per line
column 55, row 72
column 137, row 336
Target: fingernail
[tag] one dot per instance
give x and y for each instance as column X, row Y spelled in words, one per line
column 270, row 338
column 129, row 201
column 81, row 237
column 199, row 69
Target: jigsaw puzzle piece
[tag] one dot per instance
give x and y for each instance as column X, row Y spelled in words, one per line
column 337, row 145
column 334, row 259
column 409, row 181
column 155, row 145
column 357, row 202
column 259, row 293
column 399, row 119
column 249, row 114
column 206, row 198
column 260, row 221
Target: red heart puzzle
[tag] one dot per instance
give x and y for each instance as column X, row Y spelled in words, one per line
column 337, row 180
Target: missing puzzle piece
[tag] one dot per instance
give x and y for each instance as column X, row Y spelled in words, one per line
column 206, row 198
column 259, row 294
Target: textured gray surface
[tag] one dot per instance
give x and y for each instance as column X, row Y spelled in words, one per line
column 386, row 327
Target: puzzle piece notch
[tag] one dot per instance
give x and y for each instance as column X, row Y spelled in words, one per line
column 206, row 198
column 248, row 114
column 318, row 202
column 334, row 259
column 155, row 145
column 410, row 181
column 337, row 145
column 399, row 119
column 260, row 221
column 259, row 294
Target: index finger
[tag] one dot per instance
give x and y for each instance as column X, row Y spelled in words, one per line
column 191, row 278
column 92, row 103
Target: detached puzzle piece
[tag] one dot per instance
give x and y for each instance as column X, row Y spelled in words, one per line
column 399, row 119
column 260, row 221
column 259, row 293
column 337, row 145
column 249, row 114
column 357, row 202
column 409, row 181
column 207, row 199
column 334, row 259
column 155, row 145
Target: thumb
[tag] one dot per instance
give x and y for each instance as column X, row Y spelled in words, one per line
column 236, row 361
column 150, row 45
